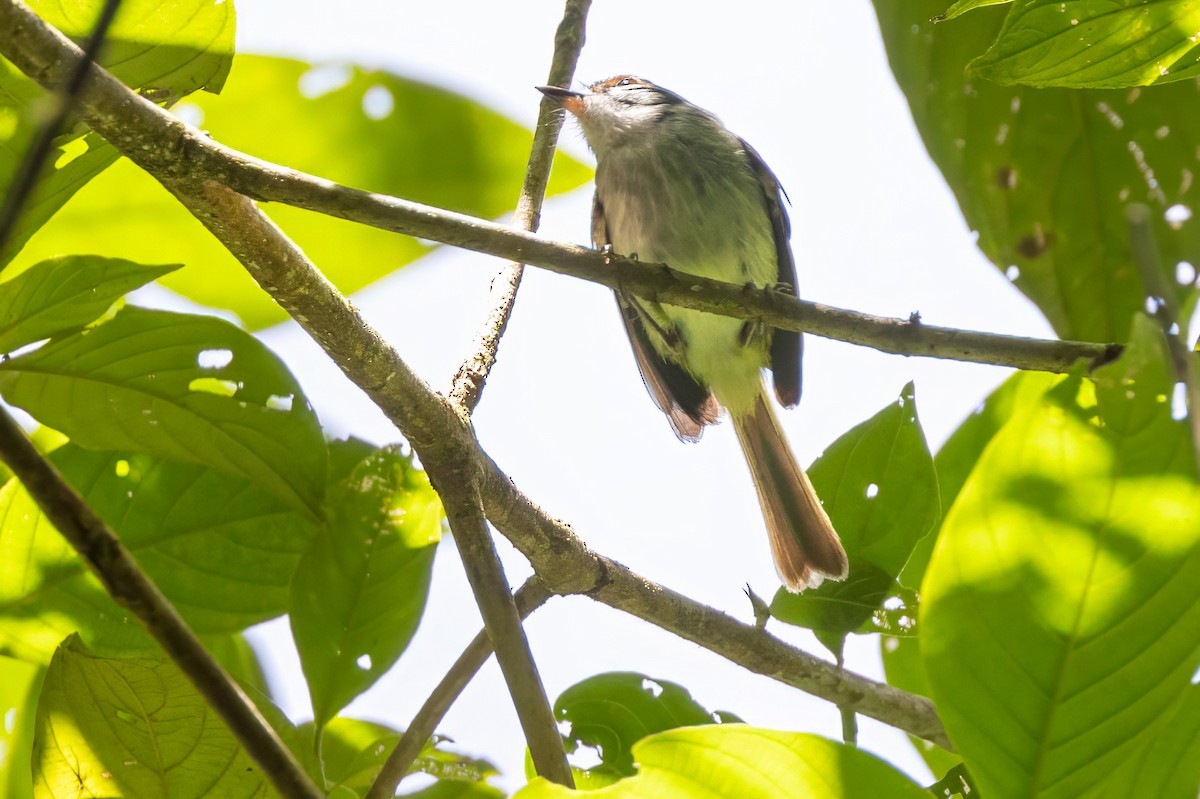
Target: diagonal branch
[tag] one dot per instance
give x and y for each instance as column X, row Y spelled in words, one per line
column 124, row 580
column 167, row 148
column 34, row 161
column 430, row 423
column 426, row 419
column 529, row 597
column 473, row 373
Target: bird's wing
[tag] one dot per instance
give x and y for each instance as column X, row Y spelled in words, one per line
column 787, row 347
column 688, row 405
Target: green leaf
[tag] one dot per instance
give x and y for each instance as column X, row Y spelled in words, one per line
column 1060, row 612
column 237, row 656
column 739, row 762
column 432, row 146
column 181, row 387
column 64, row 294
column 963, row 6
column 1099, row 44
column 167, row 50
column 880, row 490
column 224, row 565
column 611, row 712
column 133, row 727
column 953, row 464
column 353, row 752
column 175, row 47
column 1168, row 765
column 1044, row 175
column 360, row 589
column 20, row 684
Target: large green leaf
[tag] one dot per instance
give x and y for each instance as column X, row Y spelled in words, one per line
column 64, row 294
column 360, row 589
column 1060, row 612
column 133, row 727
column 166, row 49
column 181, row 387
column 225, row 565
column 953, row 463
column 880, row 490
column 1094, row 43
column 1168, row 766
column 612, row 712
column 1044, row 175
column 20, row 684
column 368, row 129
column 732, row 761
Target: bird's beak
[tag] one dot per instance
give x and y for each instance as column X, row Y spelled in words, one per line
column 572, row 101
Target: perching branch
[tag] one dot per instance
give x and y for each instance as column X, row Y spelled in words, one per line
column 426, row 419
column 473, row 373
column 529, row 597
column 124, row 580
column 169, row 149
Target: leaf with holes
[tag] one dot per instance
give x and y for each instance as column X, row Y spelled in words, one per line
column 360, row 589
column 1060, row 613
column 1044, row 175
column 369, row 129
column 63, row 294
column 224, row 565
column 732, row 761
column 879, row 488
column 1099, row 44
column 134, row 726
column 180, row 387
column 167, row 50
column 612, row 712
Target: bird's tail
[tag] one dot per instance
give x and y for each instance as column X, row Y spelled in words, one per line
column 803, row 541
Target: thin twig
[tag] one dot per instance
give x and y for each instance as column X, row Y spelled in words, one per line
column 167, row 148
column 428, row 420
column 529, row 597
column 97, row 544
column 31, row 165
column 473, row 373
column 1164, row 308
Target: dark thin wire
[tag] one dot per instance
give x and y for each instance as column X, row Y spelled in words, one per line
column 43, row 140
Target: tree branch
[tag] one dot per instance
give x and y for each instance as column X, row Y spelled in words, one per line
column 429, row 421
column 473, row 373
column 124, row 580
column 529, row 597
column 169, row 149
column 31, row 165
column 1166, row 311
column 426, row 419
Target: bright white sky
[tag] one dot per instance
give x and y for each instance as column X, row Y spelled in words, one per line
column 875, row 229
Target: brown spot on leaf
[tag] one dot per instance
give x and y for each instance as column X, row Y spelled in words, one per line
column 1006, row 178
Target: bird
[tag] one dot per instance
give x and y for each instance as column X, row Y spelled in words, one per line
column 674, row 186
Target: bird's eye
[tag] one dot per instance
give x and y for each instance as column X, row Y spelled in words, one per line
column 625, row 82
